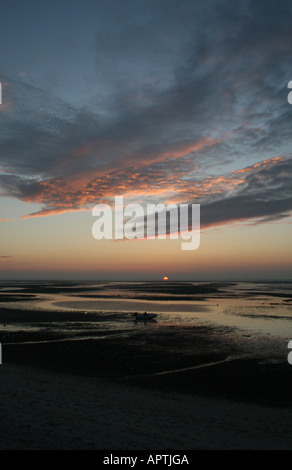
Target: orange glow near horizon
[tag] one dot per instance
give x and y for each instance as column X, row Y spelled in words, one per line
column 62, row 242
column 51, row 248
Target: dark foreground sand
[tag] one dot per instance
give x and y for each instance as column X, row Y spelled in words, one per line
column 110, row 392
column 41, row 410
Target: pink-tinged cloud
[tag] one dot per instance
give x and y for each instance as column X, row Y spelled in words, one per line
column 261, row 165
column 259, row 191
column 149, row 174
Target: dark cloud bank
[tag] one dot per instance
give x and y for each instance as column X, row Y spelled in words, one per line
column 192, row 93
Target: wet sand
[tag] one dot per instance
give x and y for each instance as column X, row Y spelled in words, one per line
column 190, row 360
column 145, row 388
column 41, row 410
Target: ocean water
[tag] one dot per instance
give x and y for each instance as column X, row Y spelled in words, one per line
column 258, row 313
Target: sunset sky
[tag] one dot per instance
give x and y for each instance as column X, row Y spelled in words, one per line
column 159, row 101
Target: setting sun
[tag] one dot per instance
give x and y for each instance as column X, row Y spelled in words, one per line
column 165, row 278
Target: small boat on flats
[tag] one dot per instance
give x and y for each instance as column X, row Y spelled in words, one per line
column 145, row 316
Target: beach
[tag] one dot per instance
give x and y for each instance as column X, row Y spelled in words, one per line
column 146, row 226
column 75, row 379
column 41, row 410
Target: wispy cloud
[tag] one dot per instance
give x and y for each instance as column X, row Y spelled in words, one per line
column 178, row 116
column 264, row 194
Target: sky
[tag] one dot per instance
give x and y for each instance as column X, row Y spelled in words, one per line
column 165, row 101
